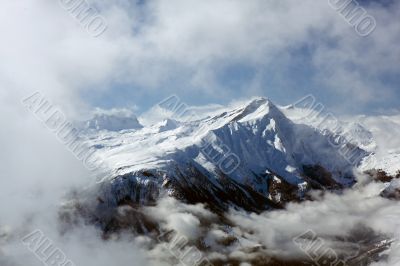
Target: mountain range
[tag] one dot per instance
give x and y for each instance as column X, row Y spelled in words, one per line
column 253, row 155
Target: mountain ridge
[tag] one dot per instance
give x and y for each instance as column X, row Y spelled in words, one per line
column 271, row 150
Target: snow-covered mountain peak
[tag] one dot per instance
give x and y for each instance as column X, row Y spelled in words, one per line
column 112, row 120
column 252, row 111
column 257, row 109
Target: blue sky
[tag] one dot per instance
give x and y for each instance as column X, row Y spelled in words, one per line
column 300, row 49
column 205, row 51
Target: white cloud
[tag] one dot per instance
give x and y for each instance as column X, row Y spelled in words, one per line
column 189, row 42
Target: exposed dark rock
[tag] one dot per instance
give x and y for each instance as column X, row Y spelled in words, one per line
column 192, row 186
column 391, row 193
column 380, row 175
column 281, row 191
column 319, row 178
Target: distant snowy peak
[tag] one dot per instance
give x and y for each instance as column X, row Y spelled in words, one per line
column 116, row 120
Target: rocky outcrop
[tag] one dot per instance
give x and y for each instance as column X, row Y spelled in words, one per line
column 381, row 175
column 392, row 191
column 319, row 178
